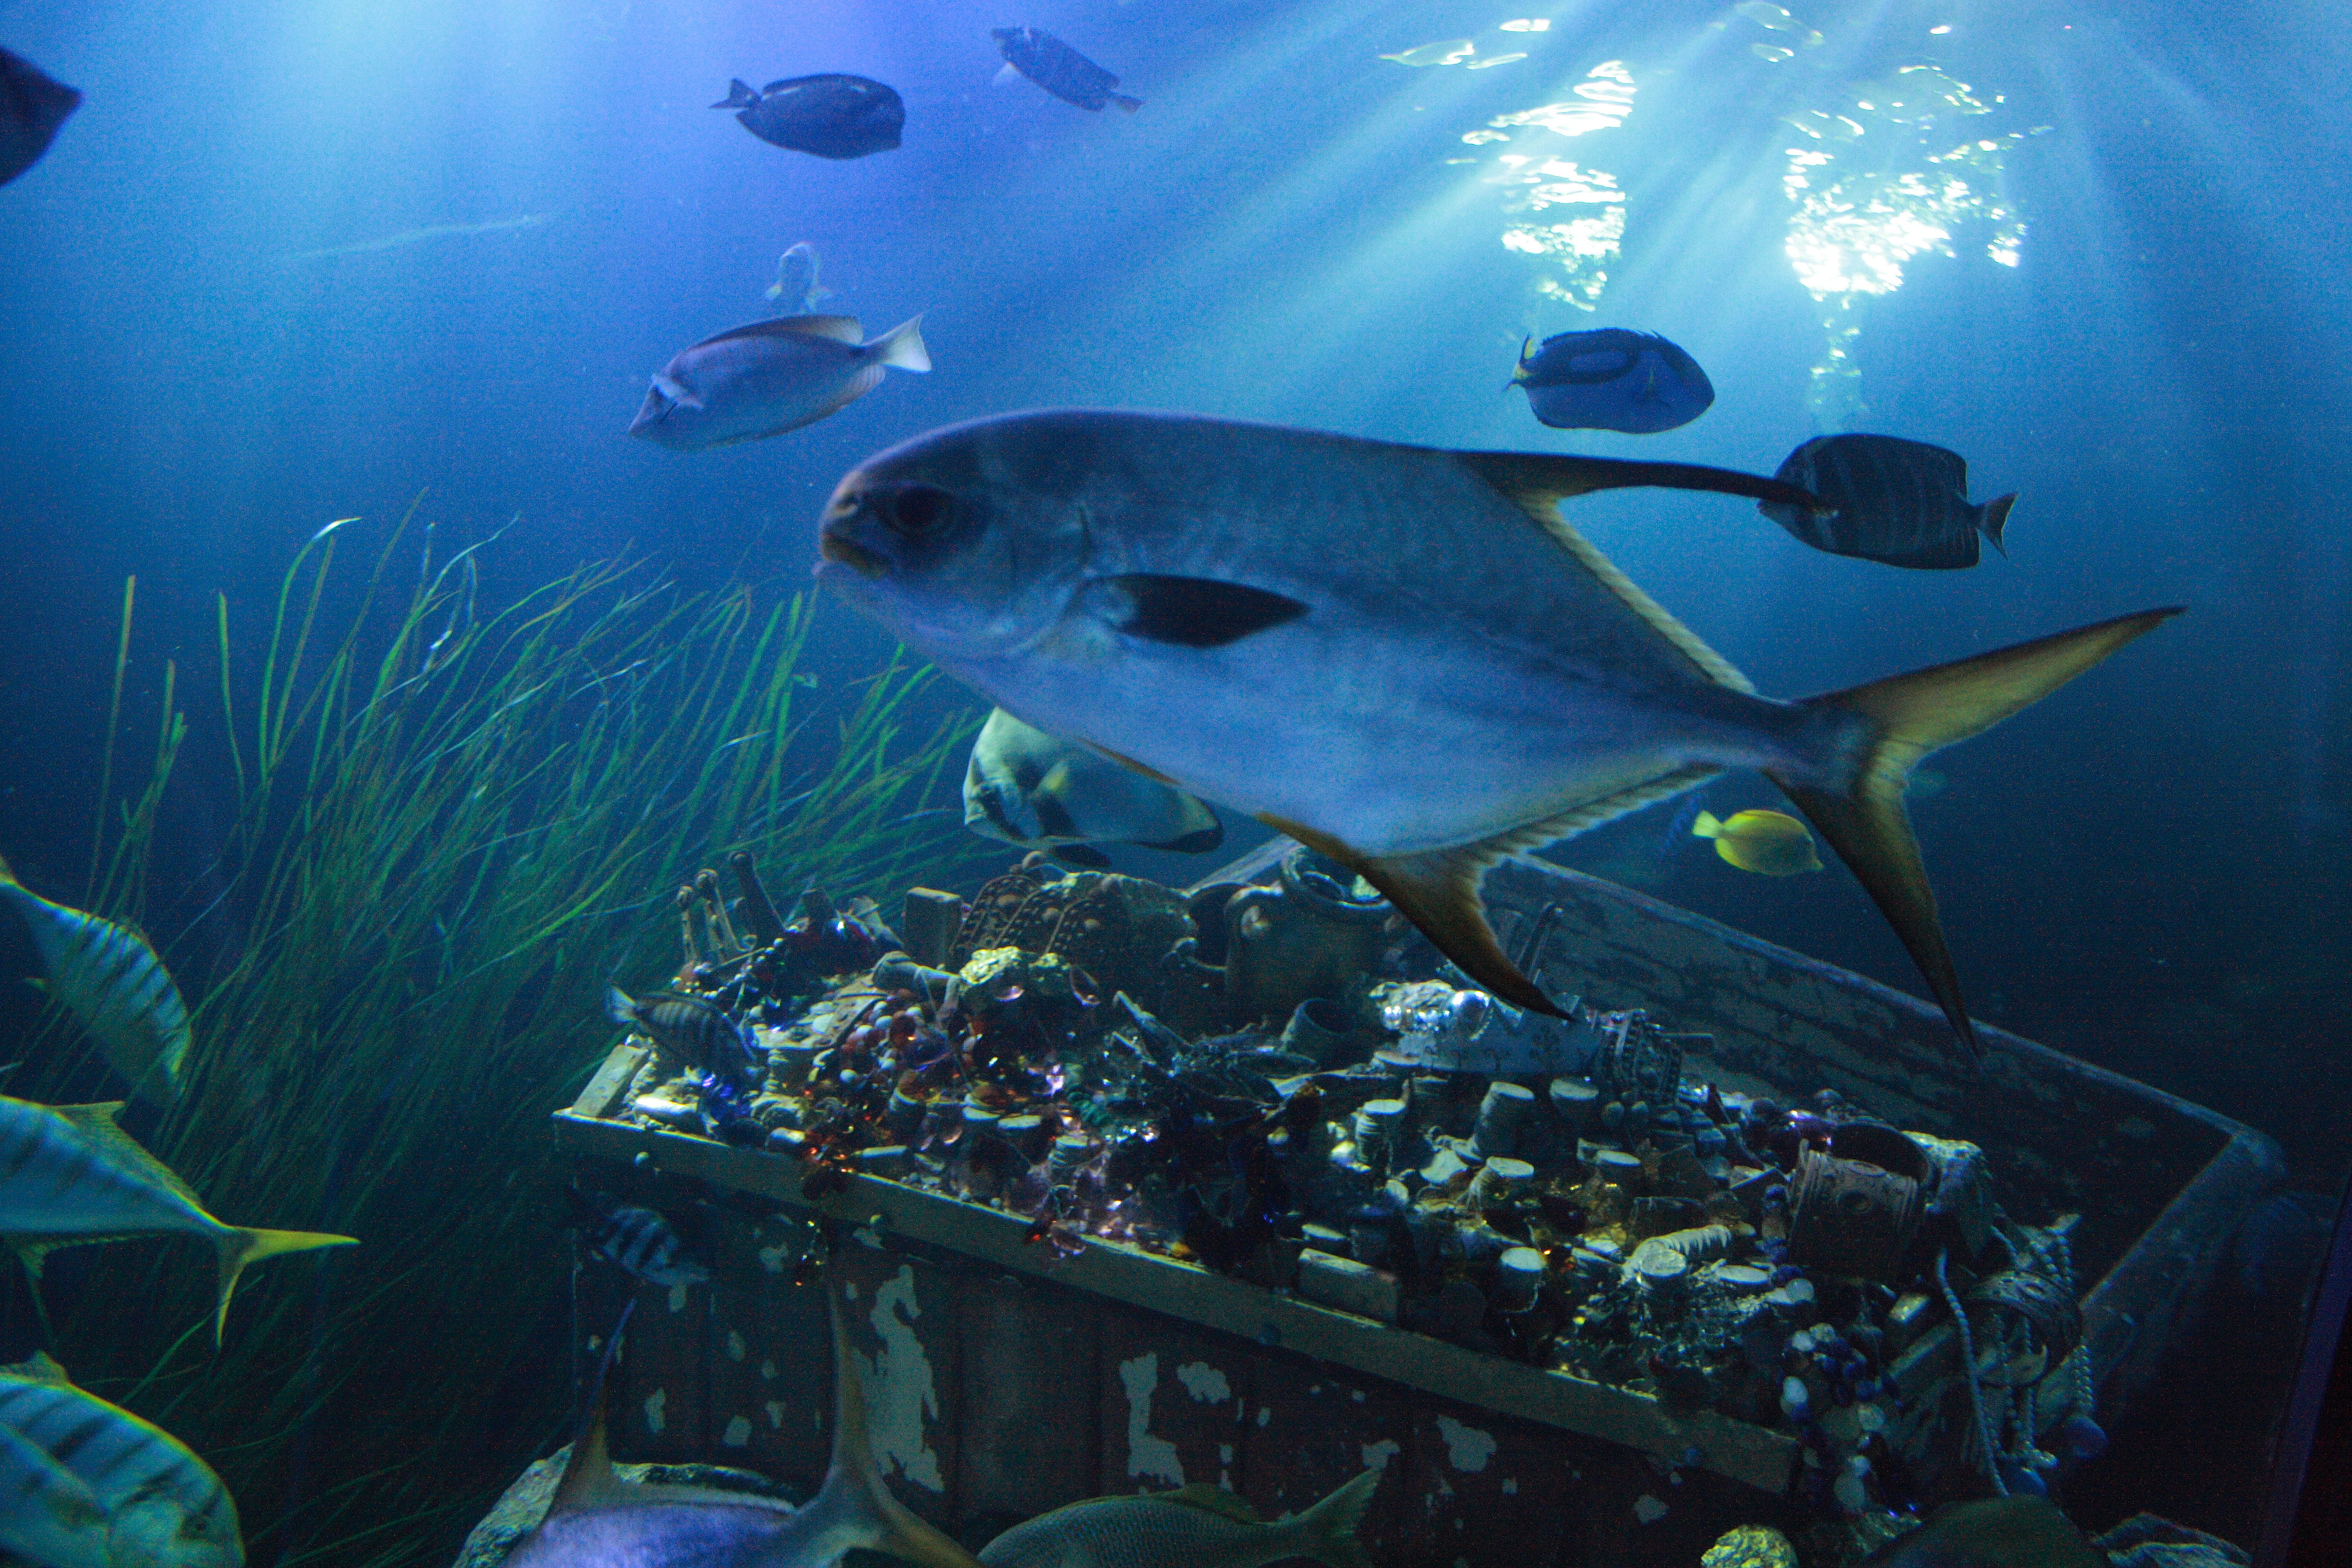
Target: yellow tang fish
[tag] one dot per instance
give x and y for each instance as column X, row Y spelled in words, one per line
column 1770, row 843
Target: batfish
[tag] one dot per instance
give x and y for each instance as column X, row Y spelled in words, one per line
column 1403, row 656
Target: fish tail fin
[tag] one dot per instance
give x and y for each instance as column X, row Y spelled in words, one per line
column 1329, row 1528
column 240, row 1249
column 619, row 1008
column 1908, row 716
column 7, row 877
column 1993, row 516
column 854, row 1507
column 1129, row 104
column 902, row 346
column 1705, row 825
column 1519, row 370
column 739, row 96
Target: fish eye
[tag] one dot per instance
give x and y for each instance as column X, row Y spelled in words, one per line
column 915, row 510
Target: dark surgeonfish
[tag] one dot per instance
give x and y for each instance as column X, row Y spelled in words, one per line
column 1041, row 792
column 751, row 382
column 1366, row 646
column 1996, row 1533
column 692, row 1030
column 1902, row 503
column 599, row 1521
column 832, row 116
column 33, row 105
column 1612, row 380
column 638, row 1241
column 1058, row 69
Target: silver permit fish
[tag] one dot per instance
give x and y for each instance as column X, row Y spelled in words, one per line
column 70, row 1176
column 796, row 289
column 160, row 1505
column 1193, row 1526
column 1401, row 657
column 111, row 980
column 1040, row 791
column 772, row 376
column 598, row 1520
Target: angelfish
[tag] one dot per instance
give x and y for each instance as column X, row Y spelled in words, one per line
column 1401, row 657
column 599, row 1521
column 1042, row 792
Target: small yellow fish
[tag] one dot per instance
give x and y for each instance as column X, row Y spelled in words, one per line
column 1768, row 843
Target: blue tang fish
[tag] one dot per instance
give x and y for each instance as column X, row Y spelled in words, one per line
column 1612, row 380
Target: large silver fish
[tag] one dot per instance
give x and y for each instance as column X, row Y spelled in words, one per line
column 769, row 377
column 1193, row 1526
column 107, row 977
column 1401, row 655
column 159, row 1505
column 599, row 1521
column 1042, row 792
column 70, row 1176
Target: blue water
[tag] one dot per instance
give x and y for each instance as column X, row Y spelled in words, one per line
column 2147, row 870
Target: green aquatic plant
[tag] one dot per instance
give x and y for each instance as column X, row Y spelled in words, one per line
column 449, row 835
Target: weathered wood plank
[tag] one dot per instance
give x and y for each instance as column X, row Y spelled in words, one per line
column 1312, row 1433
column 902, row 1320
column 1759, row 1458
column 1172, row 1404
column 1031, row 1442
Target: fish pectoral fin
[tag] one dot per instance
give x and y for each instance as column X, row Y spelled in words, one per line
column 1437, row 889
column 1539, row 478
column 1191, row 612
column 1006, row 75
column 1910, row 716
column 676, row 391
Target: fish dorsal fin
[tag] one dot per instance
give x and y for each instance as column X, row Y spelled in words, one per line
column 839, row 328
column 1210, row 1500
column 96, row 1123
column 1437, row 889
column 41, row 1368
column 1537, row 483
column 588, row 1480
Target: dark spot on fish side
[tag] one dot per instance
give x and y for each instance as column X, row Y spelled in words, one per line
column 1084, row 855
column 1200, row 841
column 1199, row 612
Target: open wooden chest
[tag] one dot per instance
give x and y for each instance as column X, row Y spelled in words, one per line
column 1007, row 1379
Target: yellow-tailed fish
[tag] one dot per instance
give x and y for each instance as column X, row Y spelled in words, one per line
column 1768, row 843
column 70, row 1176
column 160, row 1505
column 1401, row 657
column 599, row 1521
column 48, row 1516
column 1193, row 1526
column 108, row 978
column 1042, row 792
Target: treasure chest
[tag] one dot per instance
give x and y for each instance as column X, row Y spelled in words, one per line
column 1016, row 1366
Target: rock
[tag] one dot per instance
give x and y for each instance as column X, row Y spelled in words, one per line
column 520, row 1508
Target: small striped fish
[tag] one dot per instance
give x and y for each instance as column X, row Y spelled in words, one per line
column 161, row 1506
column 108, row 978
column 46, row 1515
column 692, row 1030
column 69, row 1175
column 639, row 1241
column 1903, row 503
